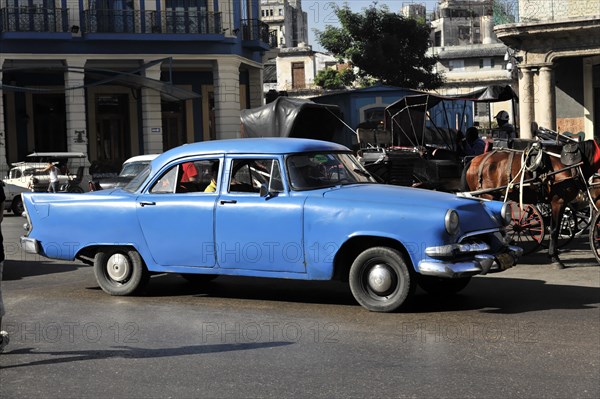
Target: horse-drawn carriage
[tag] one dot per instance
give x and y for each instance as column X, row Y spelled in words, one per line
column 552, row 180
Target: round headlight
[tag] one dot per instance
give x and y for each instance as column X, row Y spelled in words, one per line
column 506, row 213
column 451, row 221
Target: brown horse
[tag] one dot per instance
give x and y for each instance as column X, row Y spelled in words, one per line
column 551, row 183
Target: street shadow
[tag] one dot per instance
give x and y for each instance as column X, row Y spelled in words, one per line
column 509, row 296
column 19, row 269
column 486, row 293
column 575, row 254
column 127, row 352
column 254, row 288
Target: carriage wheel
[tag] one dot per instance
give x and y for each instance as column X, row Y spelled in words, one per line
column 527, row 228
column 595, row 236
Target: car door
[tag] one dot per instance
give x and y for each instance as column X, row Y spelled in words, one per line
column 176, row 217
column 255, row 232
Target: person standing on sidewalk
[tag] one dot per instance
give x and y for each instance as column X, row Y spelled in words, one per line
column 3, row 334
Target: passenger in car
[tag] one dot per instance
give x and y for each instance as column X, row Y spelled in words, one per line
column 214, row 170
column 189, row 172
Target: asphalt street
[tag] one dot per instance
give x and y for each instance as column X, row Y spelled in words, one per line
column 530, row 332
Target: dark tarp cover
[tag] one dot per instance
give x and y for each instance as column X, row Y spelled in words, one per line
column 293, row 117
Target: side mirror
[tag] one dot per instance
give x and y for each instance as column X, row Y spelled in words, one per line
column 265, row 193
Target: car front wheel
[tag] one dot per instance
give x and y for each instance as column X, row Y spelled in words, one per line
column 120, row 271
column 380, row 279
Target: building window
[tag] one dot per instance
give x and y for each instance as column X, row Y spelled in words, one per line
column 486, row 63
column 281, row 12
column 456, row 65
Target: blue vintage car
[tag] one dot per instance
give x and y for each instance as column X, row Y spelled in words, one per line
column 273, row 207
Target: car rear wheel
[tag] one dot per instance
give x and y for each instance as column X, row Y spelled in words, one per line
column 443, row 286
column 380, row 280
column 120, row 271
column 17, row 206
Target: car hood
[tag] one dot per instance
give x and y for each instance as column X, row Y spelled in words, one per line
column 472, row 211
column 398, row 195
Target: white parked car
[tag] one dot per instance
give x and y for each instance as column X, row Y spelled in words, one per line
column 13, row 198
column 28, row 176
column 131, row 168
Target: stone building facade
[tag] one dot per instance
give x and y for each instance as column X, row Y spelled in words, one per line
column 556, row 46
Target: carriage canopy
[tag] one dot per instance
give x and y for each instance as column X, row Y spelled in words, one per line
column 292, row 117
column 426, row 118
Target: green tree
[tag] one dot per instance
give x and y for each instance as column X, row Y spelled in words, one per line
column 333, row 79
column 383, row 45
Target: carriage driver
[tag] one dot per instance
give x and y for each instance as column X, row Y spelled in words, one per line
column 506, row 129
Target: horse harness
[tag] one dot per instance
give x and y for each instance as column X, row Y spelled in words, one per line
column 535, row 161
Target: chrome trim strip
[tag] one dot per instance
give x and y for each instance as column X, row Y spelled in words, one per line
column 481, row 264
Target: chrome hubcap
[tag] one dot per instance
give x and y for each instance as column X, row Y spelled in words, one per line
column 118, row 267
column 380, row 279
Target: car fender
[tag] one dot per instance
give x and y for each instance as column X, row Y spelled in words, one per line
column 64, row 224
column 328, row 225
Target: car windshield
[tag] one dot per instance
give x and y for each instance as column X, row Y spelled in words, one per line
column 319, row 170
column 133, row 168
column 137, row 181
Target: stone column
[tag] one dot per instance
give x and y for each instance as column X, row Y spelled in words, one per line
column 77, row 135
column 3, row 159
column 547, row 117
column 588, row 98
column 526, row 102
column 152, row 115
column 256, row 87
column 226, row 81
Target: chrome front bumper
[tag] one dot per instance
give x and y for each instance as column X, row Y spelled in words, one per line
column 30, row 245
column 481, row 264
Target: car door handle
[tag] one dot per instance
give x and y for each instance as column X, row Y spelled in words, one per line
column 223, row 202
column 147, row 203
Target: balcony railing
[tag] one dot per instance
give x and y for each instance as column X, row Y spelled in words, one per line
column 33, row 19
column 255, row 29
column 166, row 22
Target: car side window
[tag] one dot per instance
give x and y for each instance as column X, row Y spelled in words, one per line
column 166, row 184
column 189, row 177
column 249, row 174
column 199, row 176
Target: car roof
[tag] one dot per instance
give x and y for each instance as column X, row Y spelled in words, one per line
column 266, row 145
column 141, row 158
